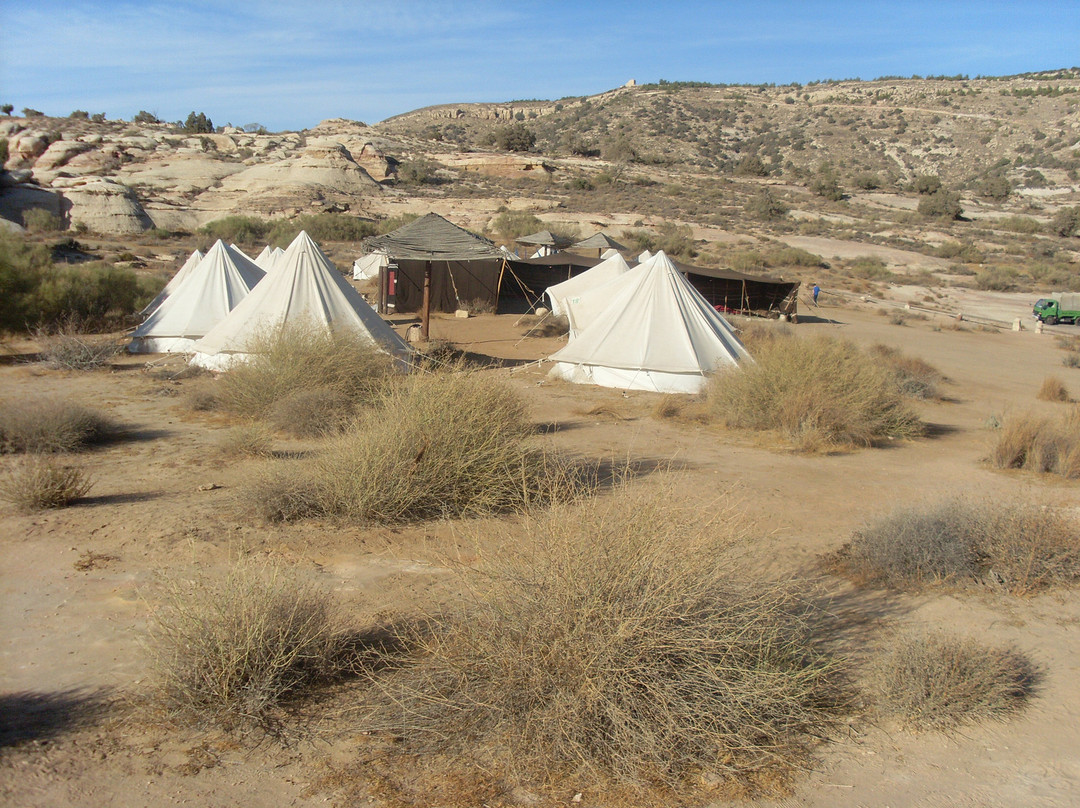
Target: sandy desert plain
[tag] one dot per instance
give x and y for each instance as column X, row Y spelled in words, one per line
column 78, row 582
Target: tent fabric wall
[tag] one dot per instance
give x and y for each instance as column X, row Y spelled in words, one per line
column 204, row 298
column 656, row 333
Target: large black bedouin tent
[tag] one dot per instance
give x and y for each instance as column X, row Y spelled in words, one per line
column 731, row 291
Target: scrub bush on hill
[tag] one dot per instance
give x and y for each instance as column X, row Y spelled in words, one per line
column 616, row 644
column 237, row 229
column 819, row 393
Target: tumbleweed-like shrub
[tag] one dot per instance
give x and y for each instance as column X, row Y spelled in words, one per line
column 51, row 424
column 938, row 681
column 617, row 641
column 229, row 649
column 1017, row 547
column 1037, row 443
column 438, row 445
column 38, row 483
column 303, row 357
column 819, row 392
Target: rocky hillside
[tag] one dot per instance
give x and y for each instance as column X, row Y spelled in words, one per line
column 991, row 139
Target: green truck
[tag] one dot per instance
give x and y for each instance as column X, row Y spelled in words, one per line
column 1060, row 309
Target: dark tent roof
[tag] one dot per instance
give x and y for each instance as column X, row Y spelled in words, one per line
column 600, row 241
column 432, row 238
column 545, row 238
column 561, row 259
column 726, row 274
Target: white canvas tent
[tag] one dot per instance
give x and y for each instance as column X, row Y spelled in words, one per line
column 304, row 288
column 657, row 333
column 368, row 266
column 572, row 289
column 645, row 256
column 205, row 297
column 265, row 258
column 609, row 252
column 192, row 262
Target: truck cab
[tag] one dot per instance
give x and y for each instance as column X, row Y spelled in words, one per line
column 1063, row 309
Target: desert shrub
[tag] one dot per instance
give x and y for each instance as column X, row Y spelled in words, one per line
column 1053, row 389
column 237, row 229
column 996, row 278
column 820, row 393
column 391, row 223
column 674, row 239
column 767, row 206
column 38, row 483
column 826, row 184
column 321, row 227
column 935, row 681
column 1018, row 224
column 997, row 187
column 249, row 440
column 313, row 412
column 229, row 649
column 516, row 137
column 36, row 293
column 303, row 357
column 941, row 205
column 867, row 181
column 869, row 267
column 1065, row 222
column 49, row 424
column 40, row 220
column 201, row 398
column 926, row 184
column 621, row 643
column 962, row 251
column 1020, row 548
column 915, row 377
column 419, row 171
column 70, row 351
column 440, row 445
column 1027, row 441
column 512, row 224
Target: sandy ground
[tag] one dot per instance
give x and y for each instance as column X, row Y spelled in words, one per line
column 70, row 622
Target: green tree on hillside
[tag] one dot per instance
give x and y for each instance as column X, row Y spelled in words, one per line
column 198, row 124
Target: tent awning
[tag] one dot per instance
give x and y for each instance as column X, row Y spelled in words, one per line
column 432, row 238
column 599, row 241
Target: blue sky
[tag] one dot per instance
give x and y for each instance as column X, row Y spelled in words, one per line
column 289, row 65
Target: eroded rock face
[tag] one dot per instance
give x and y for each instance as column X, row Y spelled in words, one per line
column 103, row 205
column 25, row 147
column 59, row 153
column 323, row 168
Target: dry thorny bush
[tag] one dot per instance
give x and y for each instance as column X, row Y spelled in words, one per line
column 436, row 445
column 821, row 393
column 1037, row 443
column 1020, row 548
column 50, row 424
column 615, row 644
column 37, row 483
column 938, row 681
column 230, row 649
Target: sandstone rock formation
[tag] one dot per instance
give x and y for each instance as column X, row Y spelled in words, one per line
column 102, row 205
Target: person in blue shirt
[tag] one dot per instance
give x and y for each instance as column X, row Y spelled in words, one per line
column 816, row 291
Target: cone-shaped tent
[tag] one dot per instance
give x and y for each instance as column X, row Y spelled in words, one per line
column 192, row 262
column 202, row 300
column 580, row 284
column 265, row 259
column 304, row 287
column 658, row 333
column 368, row 266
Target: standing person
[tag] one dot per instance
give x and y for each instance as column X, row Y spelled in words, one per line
column 816, row 291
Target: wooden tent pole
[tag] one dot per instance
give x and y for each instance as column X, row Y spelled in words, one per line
column 425, row 312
